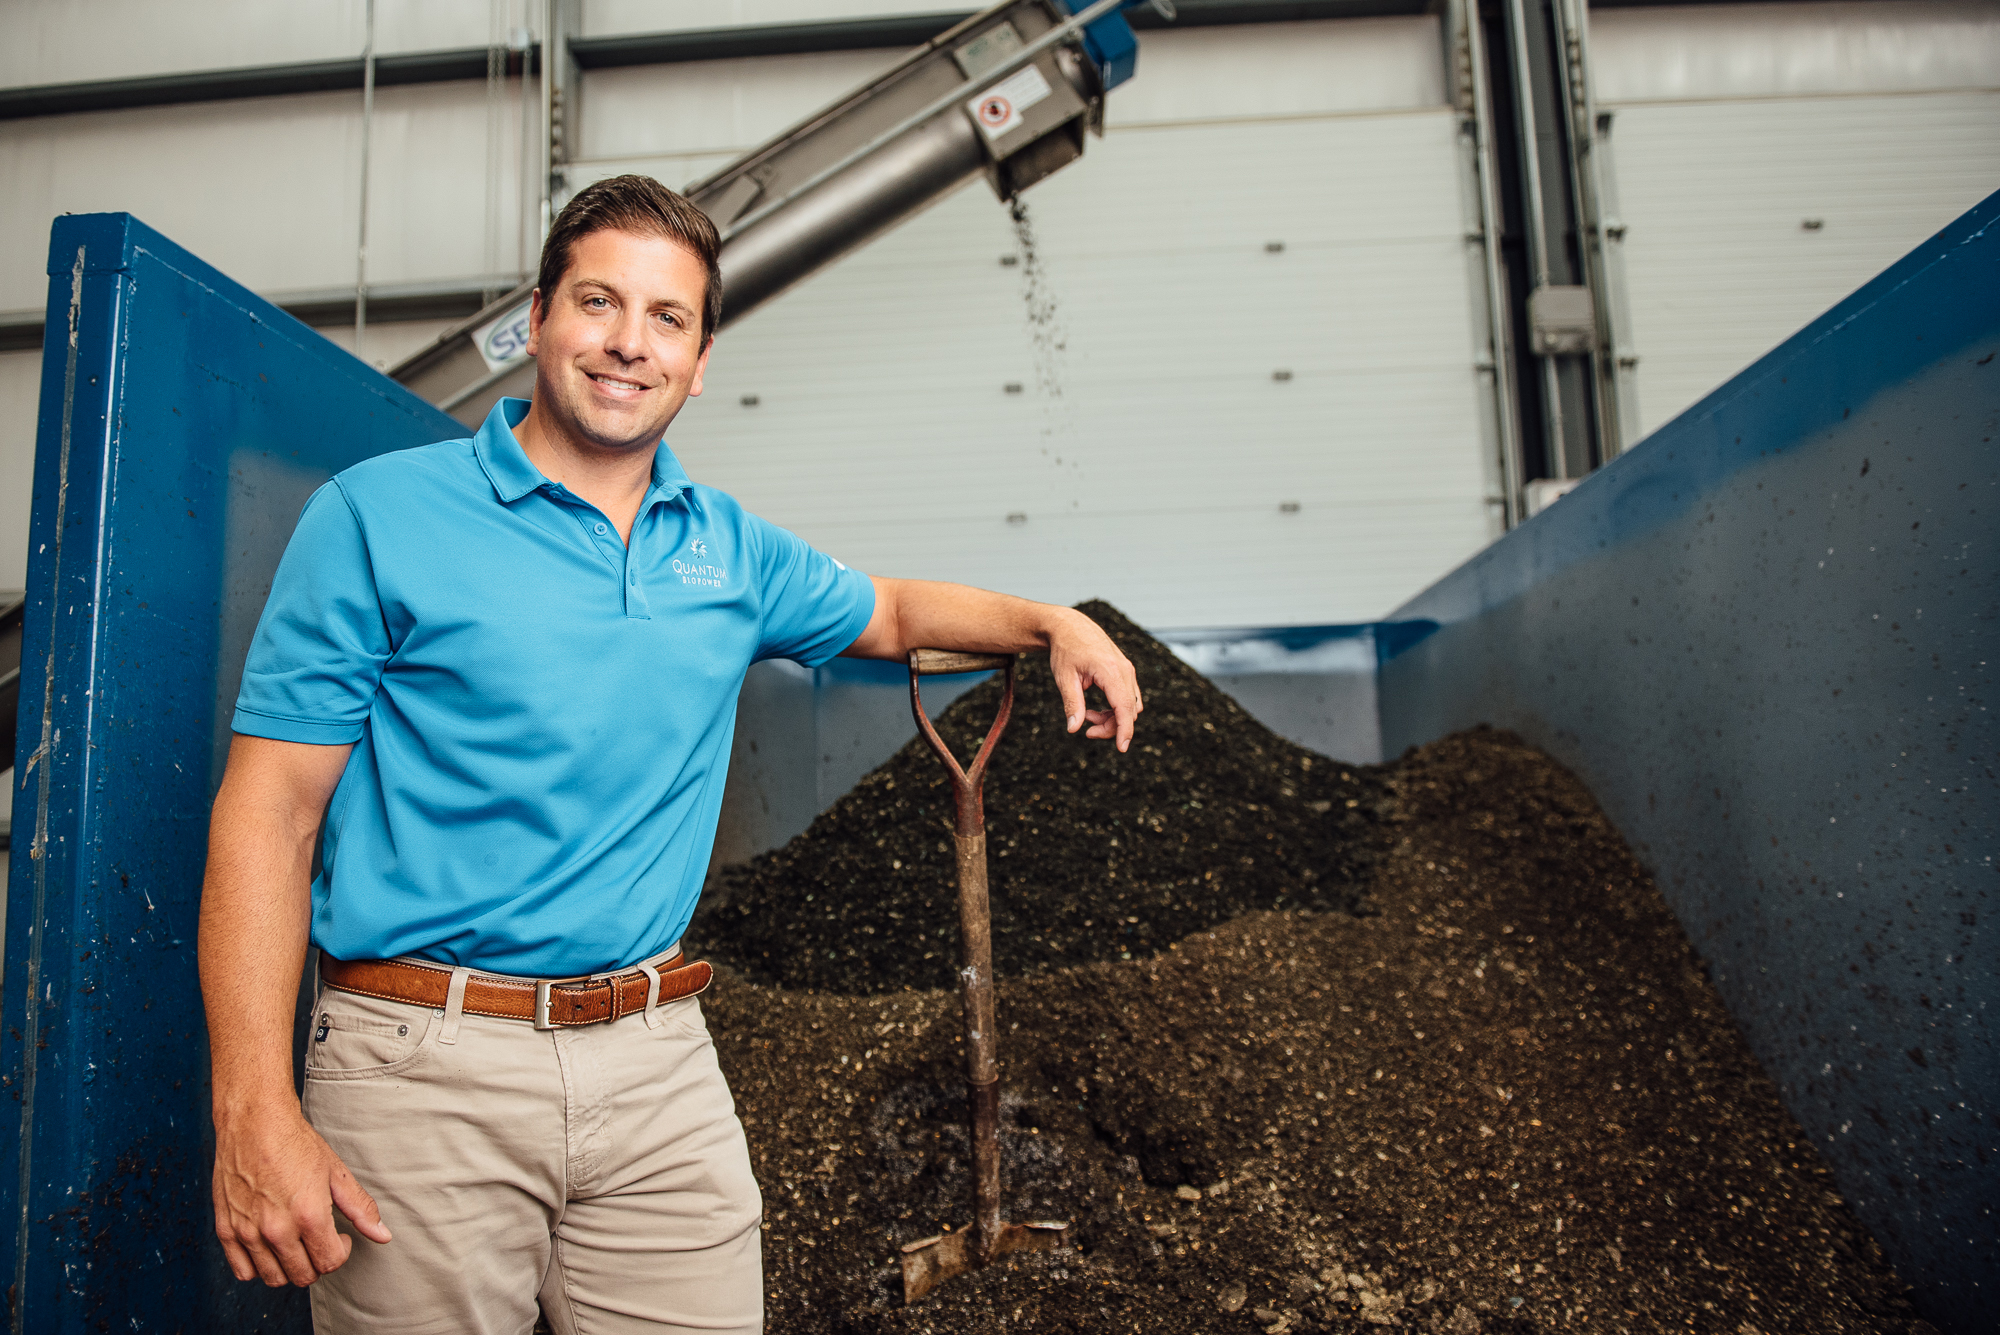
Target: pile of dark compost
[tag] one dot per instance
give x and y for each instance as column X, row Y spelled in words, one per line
column 1092, row 855
column 1505, row 1100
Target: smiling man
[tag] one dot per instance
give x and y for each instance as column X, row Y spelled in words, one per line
column 479, row 755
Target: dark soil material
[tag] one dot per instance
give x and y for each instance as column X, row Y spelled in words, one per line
column 1503, row 1098
column 1507, row 1101
column 1092, row 855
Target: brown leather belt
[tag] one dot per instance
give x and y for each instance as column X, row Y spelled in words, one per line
column 551, row 1004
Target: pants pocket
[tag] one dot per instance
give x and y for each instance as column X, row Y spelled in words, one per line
column 681, row 1018
column 356, row 1038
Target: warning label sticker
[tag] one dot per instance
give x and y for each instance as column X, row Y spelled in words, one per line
column 999, row 108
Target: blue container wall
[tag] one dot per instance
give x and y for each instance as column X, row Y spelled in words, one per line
column 1765, row 640
column 183, row 423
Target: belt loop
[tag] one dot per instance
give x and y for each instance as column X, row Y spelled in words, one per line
column 652, row 994
column 454, row 1005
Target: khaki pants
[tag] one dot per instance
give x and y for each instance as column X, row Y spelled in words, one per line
column 598, row 1171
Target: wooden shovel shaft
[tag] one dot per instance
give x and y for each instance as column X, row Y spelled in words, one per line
column 982, row 1067
column 975, row 924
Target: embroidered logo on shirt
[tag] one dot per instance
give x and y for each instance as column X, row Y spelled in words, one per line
column 701, row 574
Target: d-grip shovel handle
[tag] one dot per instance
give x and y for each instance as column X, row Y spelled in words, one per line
column 975, row 923
column 965, row 783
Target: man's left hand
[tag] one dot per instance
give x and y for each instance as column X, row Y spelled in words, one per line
column 1081, row 655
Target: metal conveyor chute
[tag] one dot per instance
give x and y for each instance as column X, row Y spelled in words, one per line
column 1010, row 92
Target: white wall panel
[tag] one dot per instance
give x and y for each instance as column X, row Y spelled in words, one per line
column 389, row 343
column 712, row 106
column 1282, row 69
column 1253, row 71
column 267, row 189
column 1681, row 52
column 76, row 41
column 1151, row 453
column 20, row 389
column 1151, row 448
column 1720, row 267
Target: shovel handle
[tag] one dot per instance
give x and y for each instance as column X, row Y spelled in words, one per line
column 931, row 662
column 965, row 783
column 975, row 923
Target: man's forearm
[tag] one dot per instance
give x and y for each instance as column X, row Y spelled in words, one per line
column 920, row 614
column 254, row 909
column 276, row 1182
column 255, row 906
column 929, row 614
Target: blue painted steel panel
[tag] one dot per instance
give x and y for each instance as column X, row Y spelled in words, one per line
column 183, row 422
column 1765, row 639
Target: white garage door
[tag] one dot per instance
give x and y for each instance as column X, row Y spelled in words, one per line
column 1233, row 384
column 1772, row 158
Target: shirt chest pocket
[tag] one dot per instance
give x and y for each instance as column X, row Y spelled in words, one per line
column 347, row 1042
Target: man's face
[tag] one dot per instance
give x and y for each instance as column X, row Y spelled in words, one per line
column 618, row 345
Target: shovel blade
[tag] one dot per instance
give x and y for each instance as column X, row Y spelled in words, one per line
column 931, row 1262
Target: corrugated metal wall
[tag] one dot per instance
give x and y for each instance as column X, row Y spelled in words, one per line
column 881, row 384
column 1769, row 158
column 1182, row 382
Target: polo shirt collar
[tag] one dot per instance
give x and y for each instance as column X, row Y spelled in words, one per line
column 513, row 476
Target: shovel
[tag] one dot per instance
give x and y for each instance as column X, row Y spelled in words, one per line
column 930, row 1262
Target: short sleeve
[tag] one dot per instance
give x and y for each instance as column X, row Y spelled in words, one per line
column 813, row 606
column 316, row 661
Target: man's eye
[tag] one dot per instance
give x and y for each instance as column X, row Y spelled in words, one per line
column 595, row 302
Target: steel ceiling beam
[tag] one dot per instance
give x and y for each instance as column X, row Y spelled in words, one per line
column 591, row 53
column 318, row 76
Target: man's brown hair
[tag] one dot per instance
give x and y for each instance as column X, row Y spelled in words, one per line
column 641, row 205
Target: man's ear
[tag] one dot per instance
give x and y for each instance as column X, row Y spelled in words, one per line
column 534, row 321
column 700, row 366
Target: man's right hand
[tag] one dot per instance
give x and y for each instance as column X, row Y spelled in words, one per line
column 277, row 1184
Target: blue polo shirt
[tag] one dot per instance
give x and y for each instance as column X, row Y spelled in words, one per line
column 541, row 714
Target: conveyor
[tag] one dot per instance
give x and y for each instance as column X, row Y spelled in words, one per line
column 1011, row 93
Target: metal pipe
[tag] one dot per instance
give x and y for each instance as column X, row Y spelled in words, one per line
column 496, row 83
column 1533, row 213
column 1534, row 217
column 846, row 211
column 548, row 159
column 523, row 154
column 486, row 382
column 1490, row 223
column 367, row 134
column 1610, row 351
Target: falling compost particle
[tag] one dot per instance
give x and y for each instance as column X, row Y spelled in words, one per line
column 1047, row 339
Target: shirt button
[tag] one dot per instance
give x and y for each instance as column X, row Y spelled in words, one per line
column 602, row 529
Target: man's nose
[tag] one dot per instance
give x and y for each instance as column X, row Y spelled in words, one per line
column 626, row 338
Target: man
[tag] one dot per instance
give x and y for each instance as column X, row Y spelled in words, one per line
column 494, row 686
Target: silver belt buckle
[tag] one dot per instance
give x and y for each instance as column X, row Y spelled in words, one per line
column 542, row 1020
